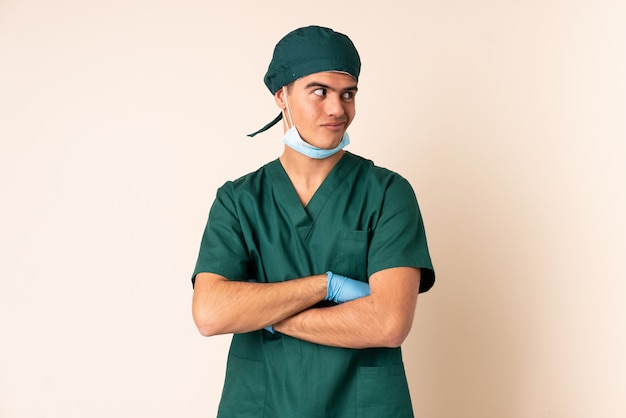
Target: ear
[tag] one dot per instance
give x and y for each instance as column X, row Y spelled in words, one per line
column 279, row 97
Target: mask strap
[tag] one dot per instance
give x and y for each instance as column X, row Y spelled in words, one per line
column 287, row 105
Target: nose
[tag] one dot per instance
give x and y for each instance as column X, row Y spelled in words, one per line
column 334, row 105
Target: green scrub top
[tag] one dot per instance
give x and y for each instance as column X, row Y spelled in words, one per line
column 361, row 220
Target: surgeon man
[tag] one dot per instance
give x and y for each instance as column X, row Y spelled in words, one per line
column 314, row 261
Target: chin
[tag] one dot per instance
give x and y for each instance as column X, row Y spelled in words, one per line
column 334, row 141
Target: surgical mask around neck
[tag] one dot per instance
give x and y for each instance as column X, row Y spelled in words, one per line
column 294, row 141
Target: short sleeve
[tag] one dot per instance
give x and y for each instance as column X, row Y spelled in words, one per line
column 399, row 237
column 222, row 249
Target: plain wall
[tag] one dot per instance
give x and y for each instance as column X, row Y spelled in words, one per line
column 119, row 120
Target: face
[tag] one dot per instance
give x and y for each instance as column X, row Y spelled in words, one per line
column 321, row 106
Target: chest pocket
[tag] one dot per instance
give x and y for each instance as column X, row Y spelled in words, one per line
column 351, row 255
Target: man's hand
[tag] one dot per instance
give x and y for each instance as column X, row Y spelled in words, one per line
column 343, row 289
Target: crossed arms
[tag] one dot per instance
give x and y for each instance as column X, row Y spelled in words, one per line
column 381, row 319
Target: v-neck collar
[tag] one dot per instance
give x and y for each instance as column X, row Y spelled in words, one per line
column 303, row 217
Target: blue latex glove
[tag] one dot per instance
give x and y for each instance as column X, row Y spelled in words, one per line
column 343, row 289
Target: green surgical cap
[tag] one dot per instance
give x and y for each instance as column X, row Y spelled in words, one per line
column 309, row 50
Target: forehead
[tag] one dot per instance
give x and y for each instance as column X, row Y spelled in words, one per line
column 334, row 79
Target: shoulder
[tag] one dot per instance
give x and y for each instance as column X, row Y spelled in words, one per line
column 249, row 182
column 371, row 174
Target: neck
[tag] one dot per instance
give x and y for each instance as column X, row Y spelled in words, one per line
column 307, row 174
column 300, row 165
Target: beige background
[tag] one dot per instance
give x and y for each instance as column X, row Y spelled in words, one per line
column 119, row 119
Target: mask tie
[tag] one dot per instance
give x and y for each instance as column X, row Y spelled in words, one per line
column 287, row 106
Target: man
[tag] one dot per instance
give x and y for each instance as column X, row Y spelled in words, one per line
column 314, row 262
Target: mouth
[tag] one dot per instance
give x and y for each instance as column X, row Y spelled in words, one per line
column 334, row 126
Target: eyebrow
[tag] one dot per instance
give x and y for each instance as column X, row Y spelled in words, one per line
column 324, row 86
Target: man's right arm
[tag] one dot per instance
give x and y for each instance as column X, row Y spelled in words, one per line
column 222, row 306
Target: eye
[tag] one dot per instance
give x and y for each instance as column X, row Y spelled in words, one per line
column 348, row 95
column 320, row 92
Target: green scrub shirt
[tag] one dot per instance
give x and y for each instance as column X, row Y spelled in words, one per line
column 361, row 220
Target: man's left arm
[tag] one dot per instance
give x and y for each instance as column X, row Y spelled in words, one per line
column 382, row 319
